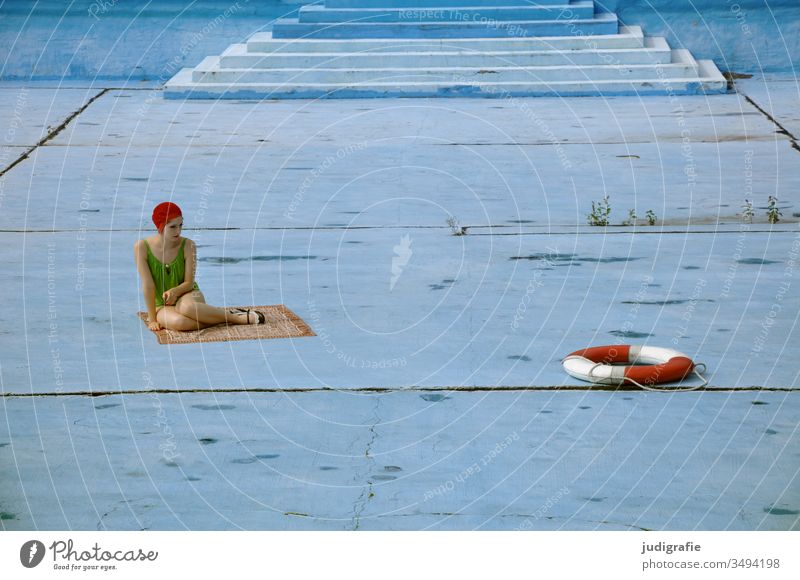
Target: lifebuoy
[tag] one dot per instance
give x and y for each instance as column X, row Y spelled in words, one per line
column 661, row 365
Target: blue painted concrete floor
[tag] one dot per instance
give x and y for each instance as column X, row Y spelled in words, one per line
column 432, row 396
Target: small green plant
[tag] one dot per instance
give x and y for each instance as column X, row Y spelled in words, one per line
column 631, row 221
column 601, row 210
column 747, row 211
column 650, row 216
column 773, row 213
column 455, row 227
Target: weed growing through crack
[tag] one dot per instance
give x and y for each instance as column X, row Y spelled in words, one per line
column 650, row 216
column 631, row 221
column 601, row 210
column 773, row 213
column 747, row 211
column 455, row 227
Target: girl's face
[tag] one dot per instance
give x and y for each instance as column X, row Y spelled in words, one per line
column 172, row 230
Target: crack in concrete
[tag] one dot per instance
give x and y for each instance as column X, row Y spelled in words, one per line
column 526, row 516
column 367, row 494
column 781, row 129
column 100, row 525
column 456, row 514
column 53, row 132
column 605, row 522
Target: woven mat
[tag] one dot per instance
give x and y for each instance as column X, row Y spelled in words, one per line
column 281, row 323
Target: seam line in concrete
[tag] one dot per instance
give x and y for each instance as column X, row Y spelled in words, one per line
column 65, row 86
column 509, row 389
column 668, row 139
column 566, row 230
column 249, row 145
column 53, row 132
column 781, row 129
column 633, row 232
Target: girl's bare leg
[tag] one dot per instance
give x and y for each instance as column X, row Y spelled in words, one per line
column 171, row 319
column 192, row 305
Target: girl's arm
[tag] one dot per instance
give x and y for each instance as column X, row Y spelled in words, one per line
column 148, row 286
column 190, row 265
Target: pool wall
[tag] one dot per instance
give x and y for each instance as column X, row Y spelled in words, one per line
column 138, row 40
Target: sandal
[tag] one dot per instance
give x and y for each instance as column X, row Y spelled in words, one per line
column 260, row 318
column 237, row 312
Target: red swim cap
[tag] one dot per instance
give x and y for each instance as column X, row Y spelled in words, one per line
column 165, row 212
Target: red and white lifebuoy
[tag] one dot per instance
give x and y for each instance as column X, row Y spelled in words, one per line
column 647, row 365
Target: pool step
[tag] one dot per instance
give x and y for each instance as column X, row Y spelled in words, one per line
column 238, row 56
column 681, row 65
column 429, row 4
column 605, row 23
column 582, row 9
column 624, row 37
column 708, row 80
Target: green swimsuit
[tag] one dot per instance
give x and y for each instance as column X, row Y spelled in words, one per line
column 166, row 276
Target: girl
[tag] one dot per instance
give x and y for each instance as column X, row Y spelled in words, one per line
column 166, row 264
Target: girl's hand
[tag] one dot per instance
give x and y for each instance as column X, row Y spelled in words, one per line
column 154, row 325
column 169, row 297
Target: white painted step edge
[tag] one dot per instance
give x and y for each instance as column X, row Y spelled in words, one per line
column 651, row 43
column 625, row 32
column 680, row 57
column 182, row 81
